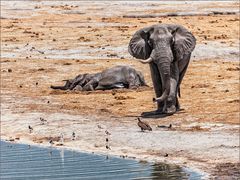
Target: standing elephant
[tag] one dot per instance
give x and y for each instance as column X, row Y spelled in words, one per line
column 167, row 49
column 115, row 77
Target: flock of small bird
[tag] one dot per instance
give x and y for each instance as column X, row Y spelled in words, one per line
column 144, row 126
column 107, row 140
column 44, row 121
column 62, row 139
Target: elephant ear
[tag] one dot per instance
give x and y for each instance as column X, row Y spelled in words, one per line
column 184, row 42
column 138, row 46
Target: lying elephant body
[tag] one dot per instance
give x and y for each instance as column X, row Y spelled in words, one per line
column 115, row 77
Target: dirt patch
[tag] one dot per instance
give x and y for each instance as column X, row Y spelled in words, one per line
column 42, row 47
column 228, row 170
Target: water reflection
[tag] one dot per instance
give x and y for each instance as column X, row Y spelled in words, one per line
column 166, row 171
column 20, row 162
column 62, row 156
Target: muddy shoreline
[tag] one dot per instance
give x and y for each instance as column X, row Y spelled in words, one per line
column 45, row 42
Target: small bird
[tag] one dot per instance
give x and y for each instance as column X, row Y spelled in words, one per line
column 73, row 135
column 107, row 133
column 108, row 147
column 106, row 139
column 36, row 83
column 30, row 129
column 163, row 126
column 43, row 120
column 99, row 127
column 51, row 142
column 143, row 125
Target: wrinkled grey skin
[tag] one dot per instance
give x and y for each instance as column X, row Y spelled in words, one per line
column 115, row 77
column 167, row 49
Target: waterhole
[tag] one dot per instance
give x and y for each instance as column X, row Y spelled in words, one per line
column 21, row 161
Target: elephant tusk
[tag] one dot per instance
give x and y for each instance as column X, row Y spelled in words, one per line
column 146, row 61
column 162, row 98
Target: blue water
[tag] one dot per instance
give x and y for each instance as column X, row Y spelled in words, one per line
column 20, row 161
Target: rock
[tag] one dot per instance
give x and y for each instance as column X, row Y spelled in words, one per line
column 67, row 64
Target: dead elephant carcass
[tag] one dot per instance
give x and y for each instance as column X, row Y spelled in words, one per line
column 115, row 77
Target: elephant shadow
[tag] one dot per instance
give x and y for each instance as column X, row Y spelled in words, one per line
column 157, row 115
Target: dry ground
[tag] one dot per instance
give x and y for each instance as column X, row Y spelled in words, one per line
column 210, row 90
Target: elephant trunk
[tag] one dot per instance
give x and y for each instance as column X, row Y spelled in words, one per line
column 165, row 76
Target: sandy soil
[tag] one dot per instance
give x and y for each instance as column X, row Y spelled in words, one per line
column 46, row 42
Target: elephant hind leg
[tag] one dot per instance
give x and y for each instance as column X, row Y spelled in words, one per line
column 91, row 85
column 78, row 80
column 65, row 87
column 182, row 66
column 58, row 87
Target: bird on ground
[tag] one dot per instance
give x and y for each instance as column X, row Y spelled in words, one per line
column 73, row 135
column 107, row 133
column 43, row 120
column 51, row 142
column 30, row 129
column 106, row 139
column 108, row 147
column 99, row 127
column 163, row 126
column 143, row 125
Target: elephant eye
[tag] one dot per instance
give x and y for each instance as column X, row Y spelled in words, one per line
column 150, row 43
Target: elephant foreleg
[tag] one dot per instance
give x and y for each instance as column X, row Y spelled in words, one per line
column 157, row 84
column 172, row 101
column 171, row 106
